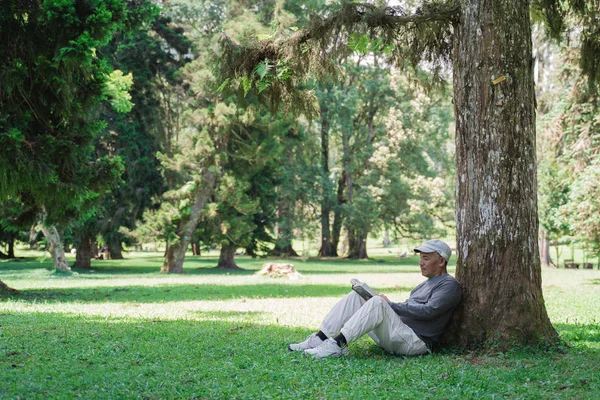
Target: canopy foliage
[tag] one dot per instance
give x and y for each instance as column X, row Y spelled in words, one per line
column 53, row 80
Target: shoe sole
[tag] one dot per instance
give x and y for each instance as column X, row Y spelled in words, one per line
column 343, row 353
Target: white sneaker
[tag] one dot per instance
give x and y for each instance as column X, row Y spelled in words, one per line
column 310, row 343
column 329, row 348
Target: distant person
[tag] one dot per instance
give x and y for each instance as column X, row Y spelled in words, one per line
column 408, row 328
column 104, row 253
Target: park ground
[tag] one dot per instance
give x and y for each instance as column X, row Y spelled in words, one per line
column 126, row 331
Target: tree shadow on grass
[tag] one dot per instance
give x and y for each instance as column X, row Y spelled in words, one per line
column 234, row 355
column 202, row 265
column 192, row 292
column 206, row 266
column 68, row 356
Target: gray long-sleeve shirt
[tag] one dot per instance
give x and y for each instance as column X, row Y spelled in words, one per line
column 429, row 307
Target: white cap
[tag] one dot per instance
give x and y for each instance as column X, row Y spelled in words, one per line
column 435, row 246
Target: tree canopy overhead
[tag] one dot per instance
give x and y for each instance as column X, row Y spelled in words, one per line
column 278, row 66
column 53, row 79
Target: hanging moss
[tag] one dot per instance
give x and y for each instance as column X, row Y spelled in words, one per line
column 562, row 16
column 312, row 52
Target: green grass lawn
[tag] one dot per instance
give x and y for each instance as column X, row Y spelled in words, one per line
column 126, row 331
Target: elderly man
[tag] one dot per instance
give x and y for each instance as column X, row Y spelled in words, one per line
column 408, row 328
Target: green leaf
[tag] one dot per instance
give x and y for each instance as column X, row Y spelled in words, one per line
column 359, row 42
column 262, row 69
column 117, row 90
column 262, row 85
column 284, row 71
column 223, row 85
column 246, row 84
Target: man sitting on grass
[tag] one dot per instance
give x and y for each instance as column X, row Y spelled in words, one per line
column 408, row 328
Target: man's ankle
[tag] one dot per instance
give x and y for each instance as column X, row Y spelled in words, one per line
column 341, row 340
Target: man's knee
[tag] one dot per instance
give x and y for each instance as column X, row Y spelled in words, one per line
column 376, row 300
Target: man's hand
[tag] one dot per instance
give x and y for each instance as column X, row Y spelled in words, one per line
column 383, row 296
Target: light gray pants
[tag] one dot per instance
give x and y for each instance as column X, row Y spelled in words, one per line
column 354, row 317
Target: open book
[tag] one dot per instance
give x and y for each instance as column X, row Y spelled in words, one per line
column 362, row 289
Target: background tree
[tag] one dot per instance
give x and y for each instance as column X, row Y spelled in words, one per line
column 578, row 155
column 413, row 169
column 210, row 127
column 566, row 145
column 365, row 95
column 298, row 190
column 54, row 81
column 152, row 56
column 8, row 230
column 243, row 211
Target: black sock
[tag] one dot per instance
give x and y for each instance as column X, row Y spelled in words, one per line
column 341, row 340
column 321, row 335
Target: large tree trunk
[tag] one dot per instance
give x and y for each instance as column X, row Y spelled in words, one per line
column 175, row 254
column 55, row 248
column 32, row 238
column 11, row 246
column 338, row 217
column 10, row 253
column 344, row 245
column 386, row 238
column 115, row 246
column 84, row 254
column 284, row 233
column 226, row 258
column 196, row 247
column 326, row 249
column 284, row 251
column 498, row 262
column 4, row 289
column 357, row 245
column 545, row 249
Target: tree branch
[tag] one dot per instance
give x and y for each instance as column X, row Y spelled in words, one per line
column 311, row 52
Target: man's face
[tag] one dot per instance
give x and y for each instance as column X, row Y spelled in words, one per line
column 432, row 264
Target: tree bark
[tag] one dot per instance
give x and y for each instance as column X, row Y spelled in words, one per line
column 55, row 248
column 11, row 246
column 196, row 247
column 386, row 238
column 115, row 246
column 32, row 238
column 175, row 254
column 545, row 250
column 498, row 262
column 345, row 239
column 4, row 289
column 357, row 245
column 284, row 251
column 284, row 232
column 337, row 215
column 226, row 258
column 326, row 249
column 84, row 254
